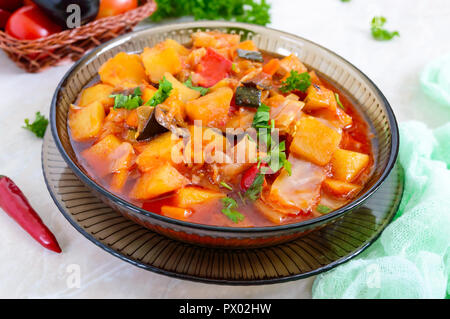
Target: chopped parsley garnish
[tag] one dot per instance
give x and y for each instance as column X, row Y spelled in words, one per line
column 164, row 89
column 250, row 11
column 255, row 189
column 226, row 186
column 129, row 102
column 201, row 89
column 338, row 101
column 323, row 209
column 229, row 205
column 296, row 82
column 38, row 126
column 378, row 32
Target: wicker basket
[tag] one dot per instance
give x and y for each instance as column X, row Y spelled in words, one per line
column 35, row 55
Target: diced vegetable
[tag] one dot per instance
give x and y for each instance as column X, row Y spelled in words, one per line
column 214, row 39
column 119, row 179
column 211, row 109
column 162, row 179
column 180, row 49
column 247, row 45
column 212, row 61
column 132, row 119
column 148, row 92
column 347, row 165
column 98, row 154
column 291, row 63
column 159, row 60
column 250, row 55
column 340, row 188
column 153, row 126
column 87, row 122
column 158, row 150
column 271, row 67
column 191, row 195
column 176, row 212
column 315, row 141
column 270, row 213
column 99, row 92
column 184, row 93
column 248, row 96
column 319, row 97
column 284, row 111
column 123, row 70
column 301, row 190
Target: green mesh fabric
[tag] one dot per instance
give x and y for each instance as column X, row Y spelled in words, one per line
column 411, row 258
column 435, row 80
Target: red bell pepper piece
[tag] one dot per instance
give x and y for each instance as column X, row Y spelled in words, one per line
column 212, row 68
column 249, row 176
column 14, row 203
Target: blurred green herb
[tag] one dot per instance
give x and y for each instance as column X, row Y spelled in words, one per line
column 250, row 11
column 38, row 126
column 201, row 89
column 338, row 101
column 129, row 102
column 323, row 209
column 296, row 81
column 223, row 184
column 229, row 205
column 164, row 89
column 378, row 32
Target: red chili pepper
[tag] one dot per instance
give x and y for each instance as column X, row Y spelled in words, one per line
column 212, row 68
column 249, row 176
column 14, row 203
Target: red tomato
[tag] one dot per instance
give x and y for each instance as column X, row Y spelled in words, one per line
column 10, row 5
column 212, row 68
column 29, row 23
column 4, row 15
column 249, row 176
column 114, row 7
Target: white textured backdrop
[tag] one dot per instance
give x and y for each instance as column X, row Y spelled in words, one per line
column 27, row 270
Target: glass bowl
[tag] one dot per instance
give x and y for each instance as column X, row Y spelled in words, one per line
column 367, row 98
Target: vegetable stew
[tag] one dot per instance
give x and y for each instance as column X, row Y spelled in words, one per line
column 218, row 132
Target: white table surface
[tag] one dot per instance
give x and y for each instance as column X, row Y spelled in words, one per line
column 28, row 270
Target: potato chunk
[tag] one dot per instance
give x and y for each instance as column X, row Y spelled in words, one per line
column 347, row 165
column 87, row 122
column 340, row 188
column 123, row 70
column 99, row 92
column 158, row 150
column 192, row 195
column 184, row 93
column 315, row 141
column 211, row 109
column 319, row 97
column 160, row 180
column 159, row 60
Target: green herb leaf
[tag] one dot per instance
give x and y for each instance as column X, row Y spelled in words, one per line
column 229, row 205
column 323, row 209
column 250, row 11
column 296, row 81
column 163, row 92
column 378, row 32
column 338, row 101
column 226, row 186
column 254, row 191
column 201, row 89
column 38, row 126
column 129, row 102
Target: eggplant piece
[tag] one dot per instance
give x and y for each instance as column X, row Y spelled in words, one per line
column 59, row 10
column 250, row 55
column 153, row 126
column 249, row 96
